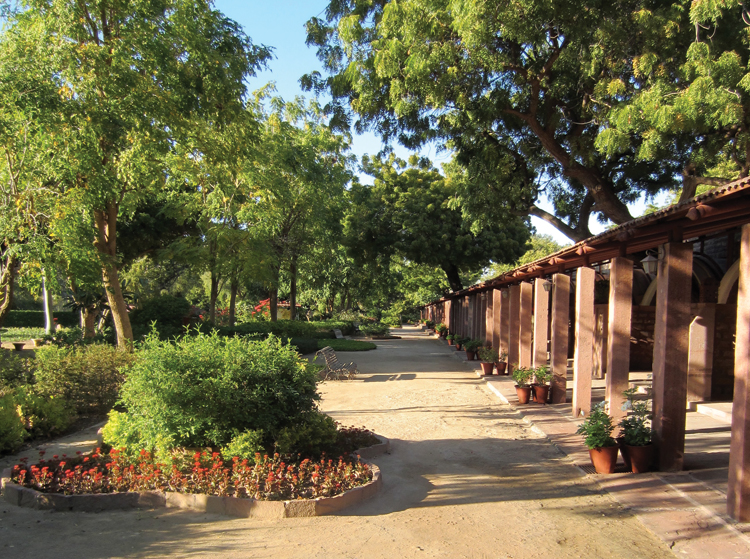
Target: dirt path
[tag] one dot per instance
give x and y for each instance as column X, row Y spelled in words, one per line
column 466, row 478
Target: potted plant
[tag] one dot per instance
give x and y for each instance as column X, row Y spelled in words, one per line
column 430, row 324
column 597, row 429
column 522, row 376
column 471, row 349
column 460, row 341
column 487, row 356
column 542, row 376
column 635, row 434
column 441, row 330
column 450, row 337
column 502, row 363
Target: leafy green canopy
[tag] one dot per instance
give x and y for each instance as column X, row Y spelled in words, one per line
column 513, row 87
column 410, row 211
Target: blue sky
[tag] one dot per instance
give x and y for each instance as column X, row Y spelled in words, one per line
column 281, row 25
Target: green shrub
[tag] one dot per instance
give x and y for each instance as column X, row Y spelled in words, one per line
column 14, row 371
column 164, row 309
column 88, row 377
column 43, row 416
column 374, row 329
column 12, row 431
column 347, row 345
column 306, row 345
column 35, row 319
column 310, row 438
column 205, row 390
column 288, row 329
column 244, row 446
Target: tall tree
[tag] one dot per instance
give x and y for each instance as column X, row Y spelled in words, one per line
column 410, row 211
column 510, row 86
column 135, row 78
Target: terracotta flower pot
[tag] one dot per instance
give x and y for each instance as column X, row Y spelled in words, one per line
column 541, row 393
column 450, row 342
column 502, row 367
column 640, row 457
column 470, row 355
column 487, row 368
column 459, row 347
column 604, row 459
column 524, row 393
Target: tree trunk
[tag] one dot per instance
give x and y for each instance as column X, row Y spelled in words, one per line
column 273, row 303
column 48, row 319
column 213, row 297
column 88, row 315
column 233, row 287
column 454, row 279
column 105, row 222
column 7, row 279
column 293, row 289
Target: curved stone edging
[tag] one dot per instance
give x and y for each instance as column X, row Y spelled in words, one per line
column 230, row 506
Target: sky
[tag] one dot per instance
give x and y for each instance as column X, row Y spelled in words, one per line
column 281, row 25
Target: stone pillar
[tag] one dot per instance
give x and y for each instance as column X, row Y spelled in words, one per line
column 505, row 324
column 497, row 306
column 701, row 353
column 526, row 324
column 559, row 345
column 601, row 333
column 514, row 326
column 583, row 361
column 738, row 492
column 449, row 316
column 618, row 334
column 674, row 283
column 489, row 327
column 465, row 315
column 541, row 322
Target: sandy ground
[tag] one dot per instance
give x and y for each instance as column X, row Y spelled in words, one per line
column 466, row 478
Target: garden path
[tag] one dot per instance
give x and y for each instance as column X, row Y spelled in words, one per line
column 466, row 478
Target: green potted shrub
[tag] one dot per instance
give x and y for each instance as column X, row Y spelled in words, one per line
column 441, row 330
column 471, row 347
column 487, row 356
column 635, row 434
column 597, row 429
column 502, row 363
column 542, row 376
column 460, row 341
column 450, row 337
column 522, row 376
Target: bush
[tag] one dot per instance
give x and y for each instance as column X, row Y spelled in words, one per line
column 314, row 435
column 22, row 334
column 88, row 377
column 288, row 329
column 206, row 390
column 43, row 416
column 244, row 446
column 12, row 431
column 35, row 319
column 305, row 345
column 376, row 329
column 347, row 345
column 14, row 371
column 164, row 309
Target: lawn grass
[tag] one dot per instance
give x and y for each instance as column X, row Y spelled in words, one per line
column 346, row 345
column 20, row 334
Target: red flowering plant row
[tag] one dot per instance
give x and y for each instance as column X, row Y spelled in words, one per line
column 269, row 478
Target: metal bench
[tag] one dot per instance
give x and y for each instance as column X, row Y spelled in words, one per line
column 334, row 369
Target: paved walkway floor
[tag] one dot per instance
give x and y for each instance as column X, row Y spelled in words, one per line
column 467, row 477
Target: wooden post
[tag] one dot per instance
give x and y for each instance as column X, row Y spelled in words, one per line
column 738, row 492
column 674, row 283
column 618, row 334
column 559, row 345
column 515, row 323
column 583, row 362
column 701, row 353
column 541, row 322
column 525, row 324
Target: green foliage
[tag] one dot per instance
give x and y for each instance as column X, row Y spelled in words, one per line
column 87, row 377
column 441, row 328
column 12, row 431
column 35, row 319
column 205, row 390
column 14, row 371
column 541, row 246
column 636, row 426
column 542, row 375
column 21, row 334
column 522, row 375
column 376, row 329
column 487, row 354
column 289, row 329
column 312, row 436
column 244, row 446
column 42, row 415
column 473, row 345
column 597, row 428
column 164, row 310
column 307, row 345
column 347, row 345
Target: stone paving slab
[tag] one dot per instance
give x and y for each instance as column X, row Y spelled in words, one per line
column 686, row 512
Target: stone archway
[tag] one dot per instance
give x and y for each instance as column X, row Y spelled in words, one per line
column 728, row 282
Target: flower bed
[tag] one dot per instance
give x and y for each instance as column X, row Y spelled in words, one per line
column 200, row 481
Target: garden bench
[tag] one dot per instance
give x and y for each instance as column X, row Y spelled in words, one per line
column 334, row 369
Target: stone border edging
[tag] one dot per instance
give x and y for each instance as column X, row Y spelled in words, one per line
column 229, row 506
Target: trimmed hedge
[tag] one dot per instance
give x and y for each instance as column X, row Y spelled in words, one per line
column 289, row 329
column 35, row 319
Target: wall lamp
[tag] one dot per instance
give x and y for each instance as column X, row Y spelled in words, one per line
column 650, row 263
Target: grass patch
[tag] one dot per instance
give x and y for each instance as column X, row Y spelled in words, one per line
column 20, row 334
column 346, row 345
